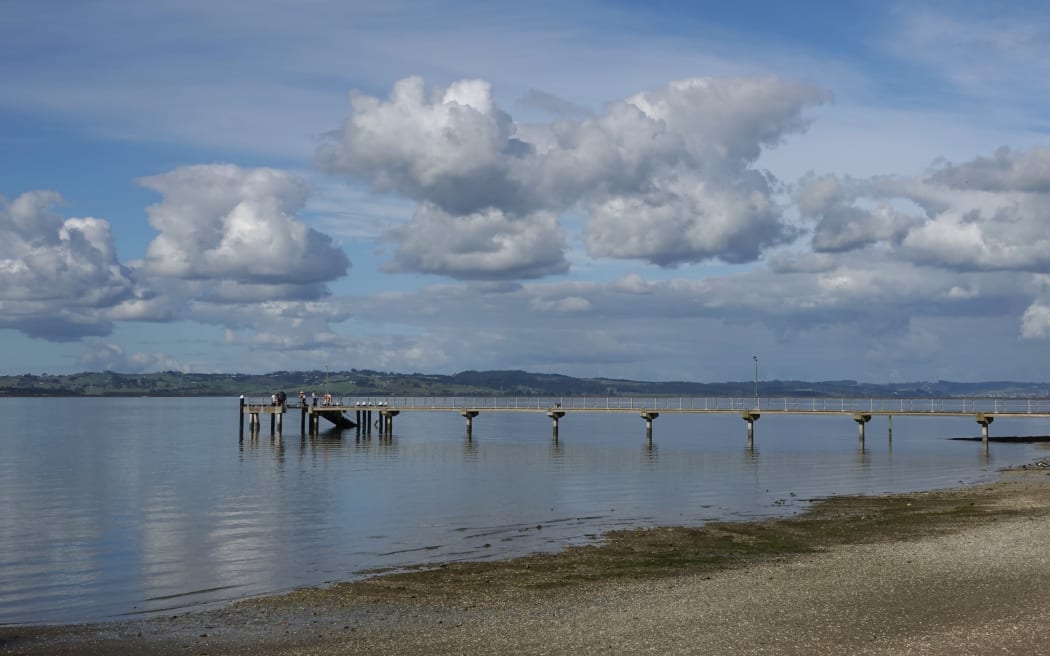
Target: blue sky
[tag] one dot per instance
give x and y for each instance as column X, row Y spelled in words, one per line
column 638, row 190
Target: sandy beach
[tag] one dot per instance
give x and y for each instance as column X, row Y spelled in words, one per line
column 963, row 571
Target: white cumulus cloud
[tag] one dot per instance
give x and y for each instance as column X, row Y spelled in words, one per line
column 667, row 176
column 987, row 214
column 1035, row 323
column 113, row 357
column 58, row 277
column 1006, row 170
column 223, row 222
column 484, row 245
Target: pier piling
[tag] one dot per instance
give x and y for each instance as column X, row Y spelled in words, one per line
column 984, row 420
column 555, row 415
column 469, row 414
column 861, row 419
column 750, row 417
column 649, row 416
column 388, row 417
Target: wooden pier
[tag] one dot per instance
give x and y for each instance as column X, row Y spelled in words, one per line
column 311, row 413
column 365, row 412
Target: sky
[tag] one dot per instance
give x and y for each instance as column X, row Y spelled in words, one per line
column 663, row 190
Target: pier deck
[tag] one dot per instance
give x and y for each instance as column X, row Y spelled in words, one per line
column 983, row 410
column 946, row 407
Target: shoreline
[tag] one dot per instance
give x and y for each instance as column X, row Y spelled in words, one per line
column 972, row 553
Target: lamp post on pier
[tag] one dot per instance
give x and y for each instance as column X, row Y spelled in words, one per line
column 755, row 357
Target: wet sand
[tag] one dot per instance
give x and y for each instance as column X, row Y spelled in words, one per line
column 963, row 571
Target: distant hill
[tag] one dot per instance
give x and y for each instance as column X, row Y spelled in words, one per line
column 364, row 382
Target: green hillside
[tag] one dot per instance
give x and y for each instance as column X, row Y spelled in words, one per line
column 363, row 382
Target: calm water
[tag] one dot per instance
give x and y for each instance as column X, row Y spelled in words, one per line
column 117, row 507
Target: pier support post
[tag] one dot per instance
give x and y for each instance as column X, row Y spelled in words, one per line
column 750, row 417
column 648, row 416
column 555, row 415
column 984, row 420
column 273, row 422
column 386, row 421
column 302, row 415
column 861, row 418
column 242, row 415
column 469, row 414
column 280, row 420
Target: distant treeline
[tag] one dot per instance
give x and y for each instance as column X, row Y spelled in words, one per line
column 363, row 382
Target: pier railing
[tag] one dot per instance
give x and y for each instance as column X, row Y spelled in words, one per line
column 690, row 404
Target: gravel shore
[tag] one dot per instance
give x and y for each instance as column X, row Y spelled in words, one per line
column 964, row 571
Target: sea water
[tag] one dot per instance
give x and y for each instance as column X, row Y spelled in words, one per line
column 123, row 507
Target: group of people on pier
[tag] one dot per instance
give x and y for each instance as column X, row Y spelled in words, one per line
column 279, row 399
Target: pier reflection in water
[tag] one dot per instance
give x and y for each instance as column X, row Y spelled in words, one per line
column 123, row 506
